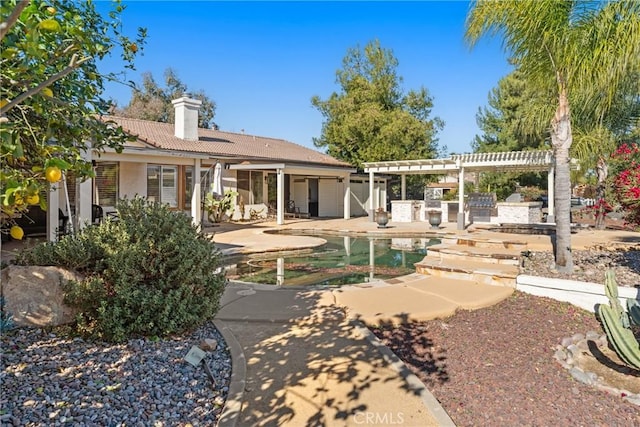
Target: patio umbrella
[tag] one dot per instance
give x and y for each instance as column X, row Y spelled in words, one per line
column 216, row 184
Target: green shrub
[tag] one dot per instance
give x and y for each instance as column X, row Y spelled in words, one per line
column 150, row 273
column 531, row 193
column 6, row 318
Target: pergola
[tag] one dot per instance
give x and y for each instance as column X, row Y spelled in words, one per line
column 506, row 161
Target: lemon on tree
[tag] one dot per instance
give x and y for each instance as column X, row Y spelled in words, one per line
column 16, row 232
column 53, row 174
column 18, row 200
column 33, row 199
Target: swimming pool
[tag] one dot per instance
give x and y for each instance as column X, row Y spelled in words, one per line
column 342, row 260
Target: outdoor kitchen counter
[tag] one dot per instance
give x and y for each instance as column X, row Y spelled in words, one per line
column 407, row 210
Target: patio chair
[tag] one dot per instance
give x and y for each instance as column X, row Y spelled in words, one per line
column 293, row 211
column 97, row 213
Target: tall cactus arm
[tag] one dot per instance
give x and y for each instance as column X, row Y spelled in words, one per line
column 611, row 291
column 622, row 339
column 633, row 308
column 610, row 284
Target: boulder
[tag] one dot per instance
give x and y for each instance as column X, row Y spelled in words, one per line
column 33, row 295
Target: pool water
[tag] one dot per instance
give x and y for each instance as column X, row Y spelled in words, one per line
column 342, row 260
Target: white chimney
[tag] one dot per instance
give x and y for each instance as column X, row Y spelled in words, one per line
column 186, row 117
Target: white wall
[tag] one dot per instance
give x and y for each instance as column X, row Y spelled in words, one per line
column 329, row 197
column 360, row 195
column 299, row 190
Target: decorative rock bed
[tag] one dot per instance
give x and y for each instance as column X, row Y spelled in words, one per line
column 576, row 354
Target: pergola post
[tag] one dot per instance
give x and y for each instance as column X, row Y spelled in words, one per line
column 347, row 196
column 83, row 202
column 551, row 195
column 371, row 196
column 403, row 187
column 280, row 196
column 461, row 197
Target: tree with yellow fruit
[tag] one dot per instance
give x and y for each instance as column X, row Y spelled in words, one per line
column 51, row 99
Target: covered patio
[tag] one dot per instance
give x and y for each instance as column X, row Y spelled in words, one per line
column 304, row 173
column 507, row 161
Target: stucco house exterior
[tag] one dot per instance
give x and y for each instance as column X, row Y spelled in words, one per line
column 173, row 164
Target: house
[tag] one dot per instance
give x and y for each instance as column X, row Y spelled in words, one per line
column 173, row 164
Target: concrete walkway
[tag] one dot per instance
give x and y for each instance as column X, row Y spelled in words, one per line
column 305, row 363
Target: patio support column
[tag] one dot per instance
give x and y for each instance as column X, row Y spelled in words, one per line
column 280, row 197
column 551, row 196
column 53, row 204
column 403, row 187
column 461, row 198
column 196, row 196
column 371, row 196
column 84, row 199
column 347, row 196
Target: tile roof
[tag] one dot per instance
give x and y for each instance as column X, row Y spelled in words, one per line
column 228, row 144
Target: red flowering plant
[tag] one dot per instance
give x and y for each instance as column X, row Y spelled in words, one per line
column 600, row 207
column 624, row 173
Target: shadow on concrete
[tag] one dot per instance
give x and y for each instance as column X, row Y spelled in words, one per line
column 306, row 365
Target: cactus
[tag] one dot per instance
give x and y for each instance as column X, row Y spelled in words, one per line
column 611, row 291
column 621, row 338
column 616, row 325
column 633, row 308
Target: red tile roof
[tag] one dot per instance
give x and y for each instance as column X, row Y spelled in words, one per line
column 228, row 144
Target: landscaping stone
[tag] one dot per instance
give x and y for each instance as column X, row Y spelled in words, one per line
column 33, row 295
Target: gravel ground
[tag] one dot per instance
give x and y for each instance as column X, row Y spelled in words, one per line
column 496, row 366
column 590, row 266
column 50, row 380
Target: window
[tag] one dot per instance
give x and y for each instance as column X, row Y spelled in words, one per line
column 162, row 184
column 250, row 185
column 106, row 184
column 188, row 183
column 205, row 184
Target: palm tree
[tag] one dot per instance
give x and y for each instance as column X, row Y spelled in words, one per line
column 578, row 53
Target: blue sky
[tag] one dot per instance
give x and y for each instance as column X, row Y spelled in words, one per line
column 261, row 62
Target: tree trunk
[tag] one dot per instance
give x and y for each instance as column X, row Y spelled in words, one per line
column 602, row 171
column 561, row 139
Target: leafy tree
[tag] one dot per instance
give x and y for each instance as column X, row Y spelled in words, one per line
column 502, row 122
column 50, row 99
column 153, row 102
column 503, row 129
column 575, row 54
column 370, row 119
column 506, row 128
